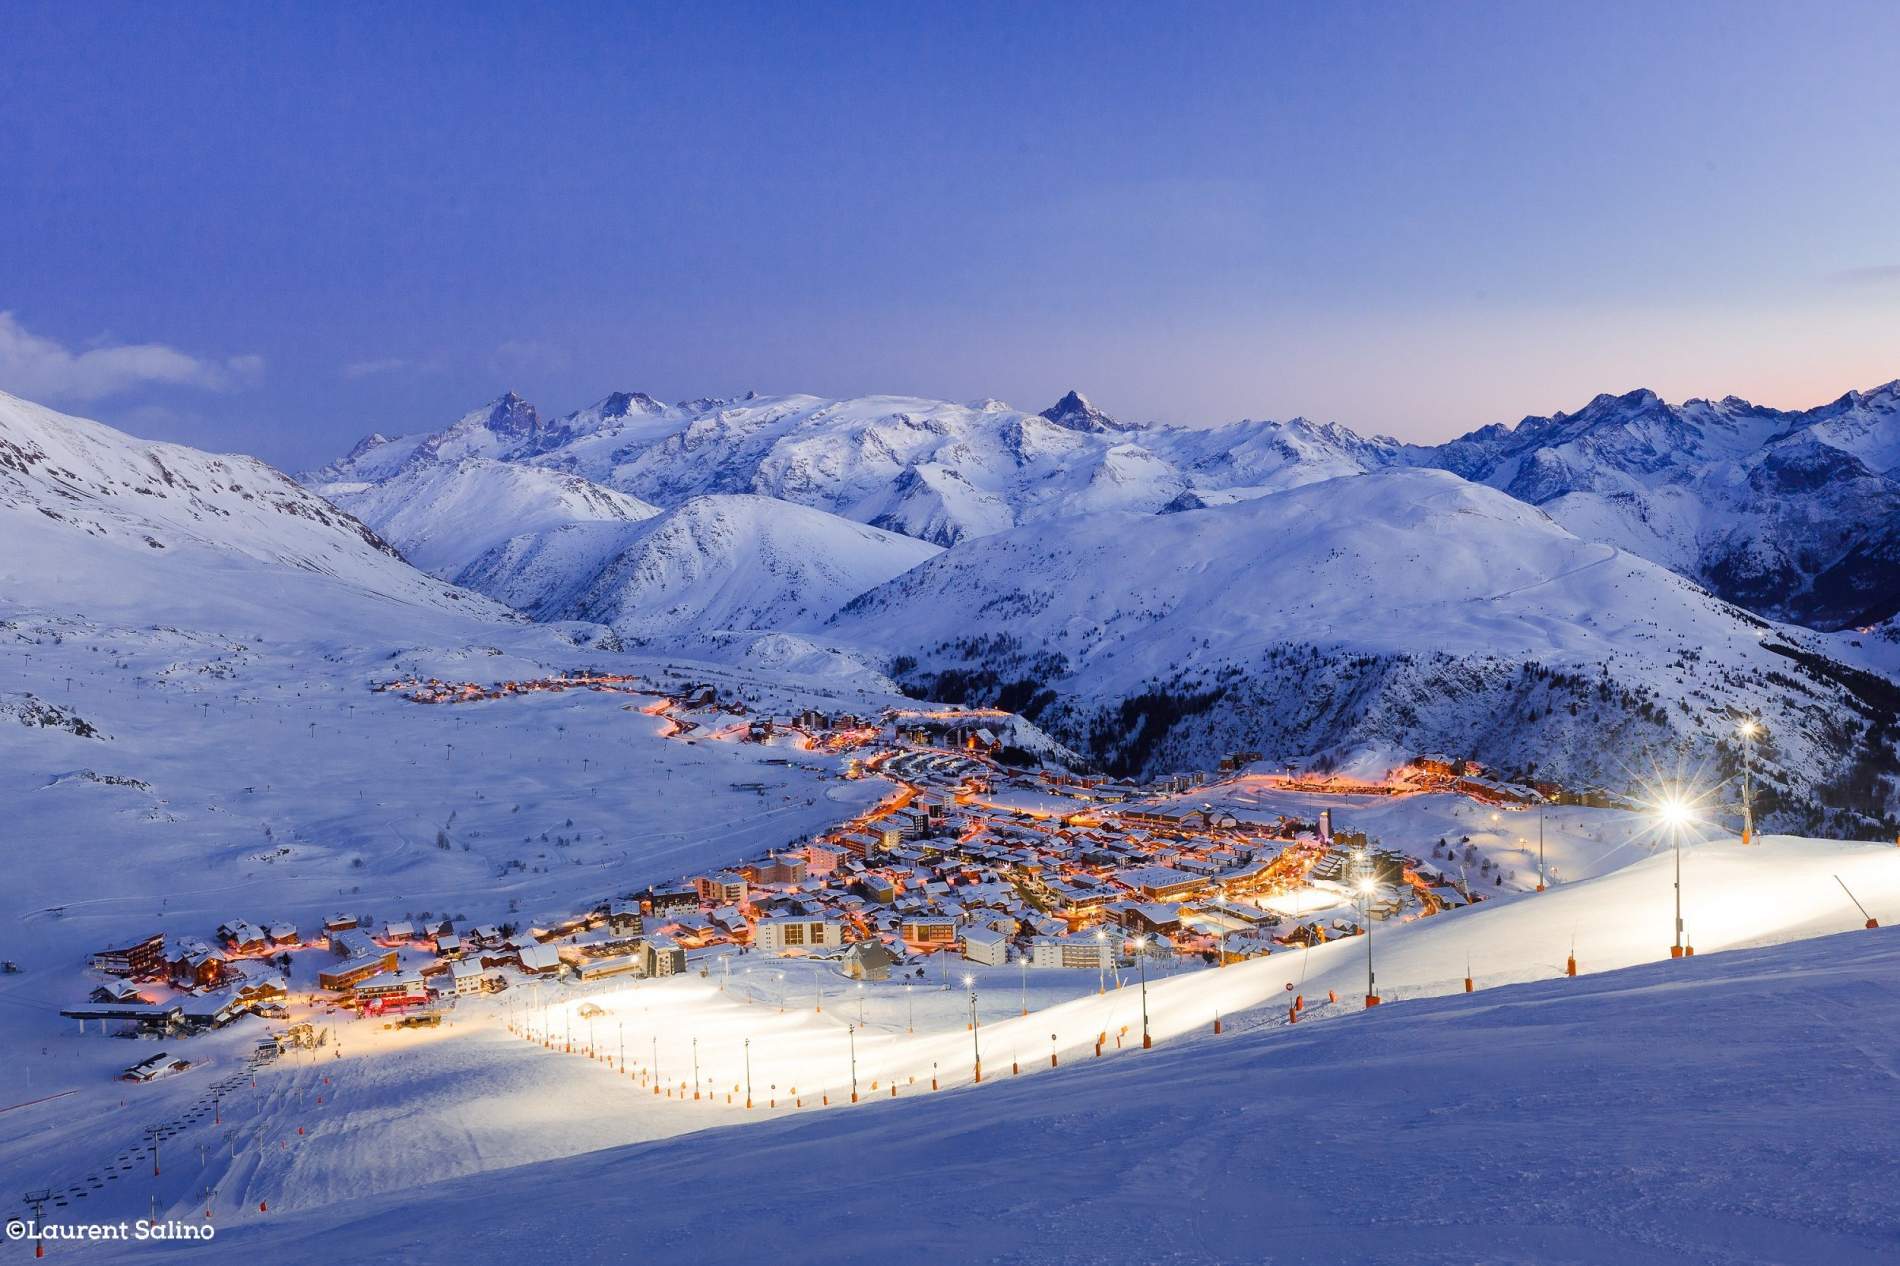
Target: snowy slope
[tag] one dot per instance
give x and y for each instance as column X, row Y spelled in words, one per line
column 1729, row 1109
column 98, row 521
column 1792, row 514
column 445, row 515
column 1397, row 612
column 714, row 563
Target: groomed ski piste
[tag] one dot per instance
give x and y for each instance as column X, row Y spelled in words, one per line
column 1737, row 1107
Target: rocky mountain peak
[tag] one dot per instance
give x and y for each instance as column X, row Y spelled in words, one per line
column 1075, row 413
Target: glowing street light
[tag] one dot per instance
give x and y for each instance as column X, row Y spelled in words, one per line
column 1748, row 729
column 851, row 1030
column 1675, row 815
column 1540, row 845
column 976, row 1050
column 1141, row 959
column 1366, row 886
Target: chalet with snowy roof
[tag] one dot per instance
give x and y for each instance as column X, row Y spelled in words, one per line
column 242, row 937
column 195, row 965
column 118, row 991
column 868, row 960
column 361, row 958
column 540, row 960
column 471, row 978
column 1154, row 918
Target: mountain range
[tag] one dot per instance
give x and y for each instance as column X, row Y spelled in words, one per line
column 1792, row 514
column 1151, row 597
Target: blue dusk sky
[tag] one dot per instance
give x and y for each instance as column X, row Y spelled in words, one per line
column 273, row 228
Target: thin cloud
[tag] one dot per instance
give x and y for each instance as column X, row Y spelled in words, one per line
column 370, row 368
column 44, row 369
column 1870, row 275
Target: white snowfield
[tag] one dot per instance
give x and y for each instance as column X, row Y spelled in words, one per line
column 444, row 516
column 716, row 563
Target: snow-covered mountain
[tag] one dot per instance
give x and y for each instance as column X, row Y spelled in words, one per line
column 1373, row 616
column 445, row 514
column 715, row 563
column 95, row 520
column 1795, row 515
column 926, row 468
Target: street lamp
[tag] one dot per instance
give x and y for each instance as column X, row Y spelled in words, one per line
column 1101, row 961
column 1141, row 959
column 851, row 1030
column 1366, row 885
column 1022, row 961
column 1675, row 815
column 1540, row 846
column 748, row 1072
column 1748, row 729
column 976, row 1050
